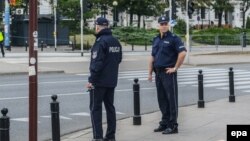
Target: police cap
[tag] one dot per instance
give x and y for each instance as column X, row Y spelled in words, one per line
column 101, row 21
column 163, row 19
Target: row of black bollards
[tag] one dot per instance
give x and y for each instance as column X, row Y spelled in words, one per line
column 27, row 45
column 55, row 122
column 201, row 103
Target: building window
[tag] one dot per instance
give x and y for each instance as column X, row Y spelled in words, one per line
column 241, row 15
column 216, row 15
column 134, row 17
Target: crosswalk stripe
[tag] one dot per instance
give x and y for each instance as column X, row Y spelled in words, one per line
column 212, row 77
column 208, row 72
column 213, row 81
column 236, row 87
column 80, row 114
column 61, row 117
column 22, row 120
column 224, row 84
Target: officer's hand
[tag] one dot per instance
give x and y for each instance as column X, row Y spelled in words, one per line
column 89, row 85
column 150, row 78
column 170, row 70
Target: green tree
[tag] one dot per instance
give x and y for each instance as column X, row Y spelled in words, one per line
column 221, row 6
column 70, row 9
column 248, row 23
column 244, row 7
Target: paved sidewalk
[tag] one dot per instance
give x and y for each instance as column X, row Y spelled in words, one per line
column 195, row 124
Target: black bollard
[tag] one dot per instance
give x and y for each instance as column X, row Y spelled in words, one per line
column 201, row 103
column 4, row 126
column 42, row 45
column 146, row 45
column 137, row 116
column 231, row 85
column 55, row 119
column 26, row 45
column 132, row 46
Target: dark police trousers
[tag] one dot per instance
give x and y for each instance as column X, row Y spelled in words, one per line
column 167, row 93
column 2, row 48
column 97, row 96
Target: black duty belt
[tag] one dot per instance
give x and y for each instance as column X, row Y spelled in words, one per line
column 160, row 69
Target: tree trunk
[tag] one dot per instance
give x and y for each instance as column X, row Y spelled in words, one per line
column 226, row 17
column 139, row 21
column 243, row 24
column 131, row 18
column 220, row 19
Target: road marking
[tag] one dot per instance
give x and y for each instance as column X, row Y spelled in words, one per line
column 118, row 113
column 61, row 117
column 236, row 87
column 80, row 114
column 22, row 119
column 69, row 94
column 55, row 82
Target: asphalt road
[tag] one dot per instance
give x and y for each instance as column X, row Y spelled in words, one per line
column 74, row 99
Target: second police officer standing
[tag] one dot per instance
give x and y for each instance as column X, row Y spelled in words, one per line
column 168, row 54
column 106, row 55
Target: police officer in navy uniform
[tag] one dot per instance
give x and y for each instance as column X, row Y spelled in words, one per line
column 106, row 55
column 168, row 54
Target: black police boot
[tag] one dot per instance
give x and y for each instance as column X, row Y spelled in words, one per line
column 106, row 139
column 171, row 130
column 160, row 128
column 97, row 140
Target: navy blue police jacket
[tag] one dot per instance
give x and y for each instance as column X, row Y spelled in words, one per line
column 165, row 50
column 106, row 55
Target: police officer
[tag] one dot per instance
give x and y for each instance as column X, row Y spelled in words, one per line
column 106, row 55
column 1, row 42
column 168, row 53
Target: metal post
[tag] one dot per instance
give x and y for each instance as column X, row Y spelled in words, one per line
column 187, row 35
column 4, row 126
column 26, row 45
column 201, row 103
column 55, row 119
column 133, row 46
column 33, row 46
column 41, row 45
column 82, row 23
column 244, row 40
column 146, row 44
column 7, row 25
column 74, row 43
column 190, row 43
column 137, row 116
column 231, row 85
column 216, row 42
column 55, row 18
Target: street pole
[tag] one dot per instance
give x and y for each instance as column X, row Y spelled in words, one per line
column 170, row 10
column 55, row 28
column 7, row 25
column 187, row 35
column 81, row 4
column 33, row 46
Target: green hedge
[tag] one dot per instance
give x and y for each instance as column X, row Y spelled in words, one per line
column 132, row 35
column 224, row 36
